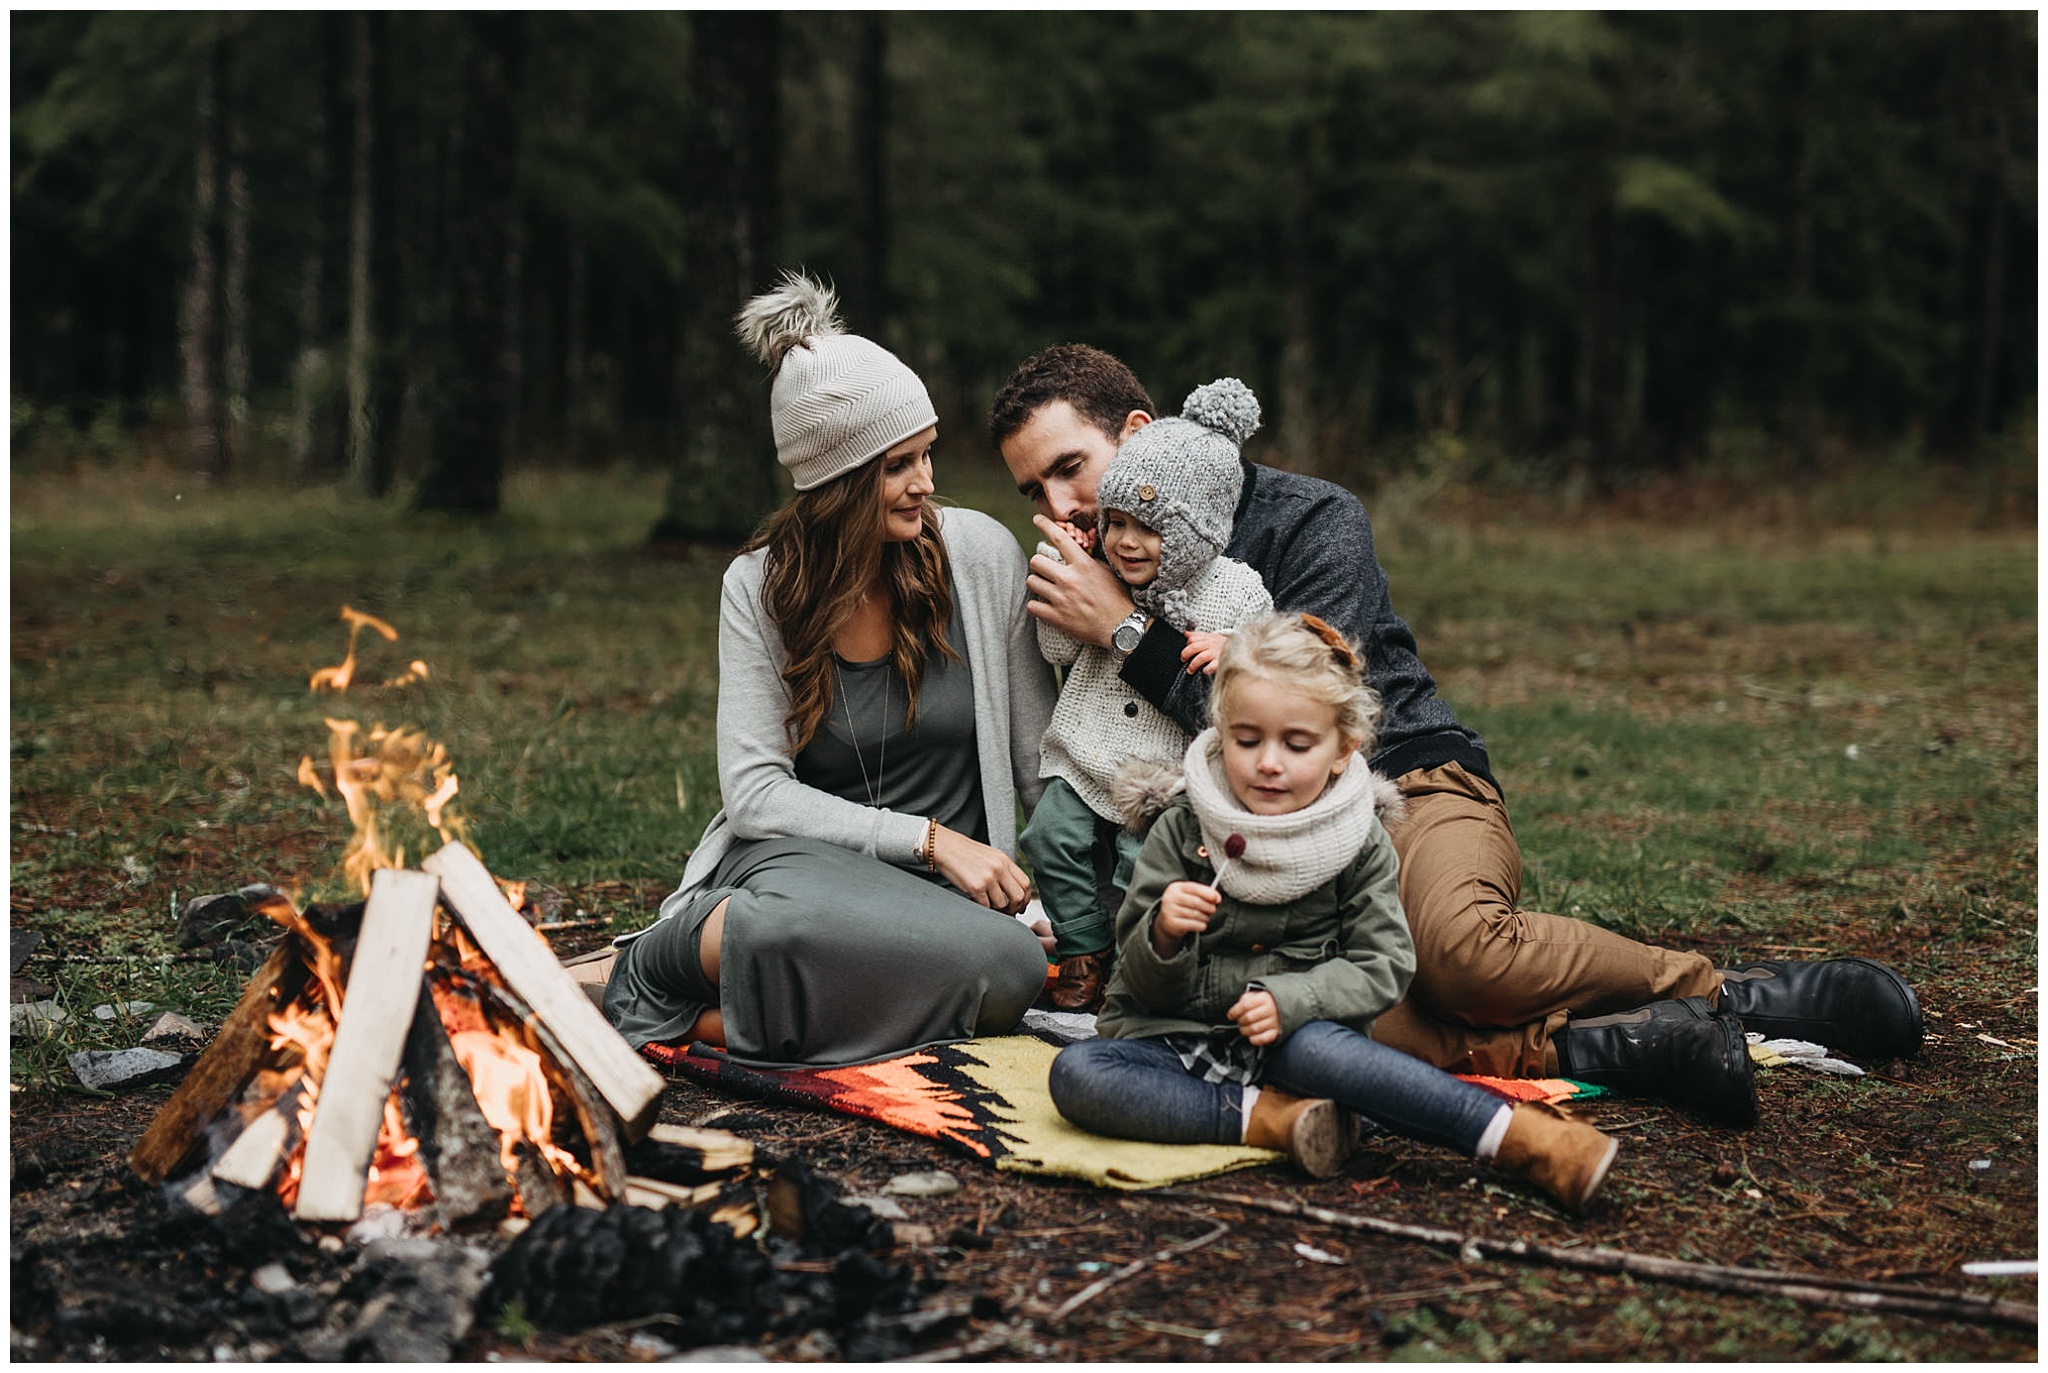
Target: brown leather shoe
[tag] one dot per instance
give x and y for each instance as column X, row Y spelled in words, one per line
column 1566, row 1158
column 1082, row 982
column 1315, row 1132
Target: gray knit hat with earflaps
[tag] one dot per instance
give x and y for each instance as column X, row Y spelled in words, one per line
column 1181, row 478
column 838, row 399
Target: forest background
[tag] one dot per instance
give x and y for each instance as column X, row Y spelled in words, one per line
column 1574, row 252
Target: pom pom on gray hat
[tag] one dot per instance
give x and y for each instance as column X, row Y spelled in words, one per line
column 1225, row 405
column 839, row 400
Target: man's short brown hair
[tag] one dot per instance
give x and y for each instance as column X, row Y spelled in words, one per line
column 1101, row 389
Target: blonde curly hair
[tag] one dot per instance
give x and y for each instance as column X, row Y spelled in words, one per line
column 1308, row 657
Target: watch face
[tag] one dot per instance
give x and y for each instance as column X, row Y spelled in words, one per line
column 1126, row 637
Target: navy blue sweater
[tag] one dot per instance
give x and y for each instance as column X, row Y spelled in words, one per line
column 1312, row 543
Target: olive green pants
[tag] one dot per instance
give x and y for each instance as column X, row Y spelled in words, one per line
column 1494, row 982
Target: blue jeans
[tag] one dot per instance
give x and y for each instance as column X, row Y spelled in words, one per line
column 1137, row 1089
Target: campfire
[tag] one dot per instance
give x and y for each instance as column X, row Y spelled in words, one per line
column 421, row 1049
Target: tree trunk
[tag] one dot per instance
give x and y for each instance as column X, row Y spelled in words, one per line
column 368, row 457
column 722, row 478
column 1599, row 375
column 313, row 444
column 199, row 327
column 1297, row 355
column 576, row 352
column 1796, row 375
column 466, row 467
column 868, row 304
column 1992, row 176
column 235, row 281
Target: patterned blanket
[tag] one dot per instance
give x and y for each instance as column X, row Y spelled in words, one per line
column 987, row 1098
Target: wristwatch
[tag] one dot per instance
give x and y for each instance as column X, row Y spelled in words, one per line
column 1125, row 636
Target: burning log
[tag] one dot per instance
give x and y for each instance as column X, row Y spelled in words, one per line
column 607, row 1153
column 368, row 1041
column 527, row 966
column 222, row 1071
column 459, row 1146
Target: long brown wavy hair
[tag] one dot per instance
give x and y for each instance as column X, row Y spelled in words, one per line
column 825, row 549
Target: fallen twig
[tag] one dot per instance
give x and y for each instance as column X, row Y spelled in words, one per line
column 1813, row 1289
column 551, row 926
column 1001, row 1338
column 1101, row 1285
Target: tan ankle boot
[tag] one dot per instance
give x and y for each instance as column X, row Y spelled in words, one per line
column 1566, row 1158
column 1316, row 1133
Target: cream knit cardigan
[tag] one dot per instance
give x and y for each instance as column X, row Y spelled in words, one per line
column 1013, row 696
column 1101, row 722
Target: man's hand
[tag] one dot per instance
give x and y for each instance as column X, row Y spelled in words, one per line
column 1258, row 1016
column 1184, row 909
column 1204, row 646
column 1080, row 596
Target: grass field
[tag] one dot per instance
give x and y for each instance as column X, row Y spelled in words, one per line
column 1744, row 739
column 1800, row 735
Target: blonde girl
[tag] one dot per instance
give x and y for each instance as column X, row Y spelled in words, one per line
column 1262, row 933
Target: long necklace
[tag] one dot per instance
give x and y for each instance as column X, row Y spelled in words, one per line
column 873, row 788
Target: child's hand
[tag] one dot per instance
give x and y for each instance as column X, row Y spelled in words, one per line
column 1203, row 647
column 1258, row 1016
column 1184, row 909
column 1083, row 537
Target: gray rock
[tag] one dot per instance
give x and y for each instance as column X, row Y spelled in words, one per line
column 881, row 1206
column 122, row 1008
column 273, row 1278
column 106, row 1070
column 932, row 1184
column 171, row 1025
column 20, row 944
column 36, row 1018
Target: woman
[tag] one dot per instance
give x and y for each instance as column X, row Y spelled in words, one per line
column 880, row 703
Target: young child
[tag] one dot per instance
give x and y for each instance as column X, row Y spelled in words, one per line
column 1262, row 933
column 1165, row 508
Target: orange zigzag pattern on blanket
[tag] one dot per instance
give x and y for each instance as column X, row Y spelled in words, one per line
column 926, row 1093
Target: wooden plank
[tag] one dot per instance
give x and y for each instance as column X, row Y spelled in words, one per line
column 718, row 1151
column 383, row 988
column 222, row 1071
column 657, row 1195
column 624, row 1079
column 251, row 1161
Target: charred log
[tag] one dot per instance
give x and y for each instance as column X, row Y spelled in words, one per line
column 459, row 1147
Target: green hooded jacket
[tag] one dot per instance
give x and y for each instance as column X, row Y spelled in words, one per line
column 1341, row 952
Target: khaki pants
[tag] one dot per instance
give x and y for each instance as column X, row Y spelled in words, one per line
column 1493, row 982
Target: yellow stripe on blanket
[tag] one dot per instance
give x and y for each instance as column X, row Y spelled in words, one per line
column 1014, row 1067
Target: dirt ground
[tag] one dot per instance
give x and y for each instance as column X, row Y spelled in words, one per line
column 1900, row 1176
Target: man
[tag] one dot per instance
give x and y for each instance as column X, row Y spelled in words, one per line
column 1497, row 990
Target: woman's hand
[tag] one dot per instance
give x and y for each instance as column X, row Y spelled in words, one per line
column 1258, row 1016
column 1203, row 647
column 981, row 873
column 1184, row 909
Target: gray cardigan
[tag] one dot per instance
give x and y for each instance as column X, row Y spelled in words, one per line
column 1013, row 699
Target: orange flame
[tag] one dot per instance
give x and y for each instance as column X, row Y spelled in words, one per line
column 338, row 677
column 400, row 768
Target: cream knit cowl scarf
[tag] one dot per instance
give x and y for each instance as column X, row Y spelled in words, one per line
column 1285, row 856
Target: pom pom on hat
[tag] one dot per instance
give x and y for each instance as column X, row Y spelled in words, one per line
column 1225, row 405
column 776, row 321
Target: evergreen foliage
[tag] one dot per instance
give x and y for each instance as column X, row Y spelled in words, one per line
column 1608, row 244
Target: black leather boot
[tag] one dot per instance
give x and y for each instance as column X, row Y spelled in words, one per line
column 1683, row 1051
column 1855, row 1005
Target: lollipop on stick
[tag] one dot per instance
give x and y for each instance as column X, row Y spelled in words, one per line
column 1233, row 849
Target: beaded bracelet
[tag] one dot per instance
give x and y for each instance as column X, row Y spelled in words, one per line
column 931, row 845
